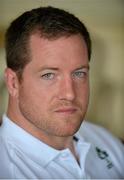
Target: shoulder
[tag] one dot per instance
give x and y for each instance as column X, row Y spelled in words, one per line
column 106, row 153
column 98, row 135
column 5, row 153
column 5, row 159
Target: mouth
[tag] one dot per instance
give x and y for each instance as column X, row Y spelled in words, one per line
column 66, row 110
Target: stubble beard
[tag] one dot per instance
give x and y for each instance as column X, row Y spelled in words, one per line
column 53, row 124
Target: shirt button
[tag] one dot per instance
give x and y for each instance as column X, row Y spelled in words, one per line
column 64, row 155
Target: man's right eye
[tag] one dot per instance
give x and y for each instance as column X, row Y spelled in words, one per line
column 48, row 76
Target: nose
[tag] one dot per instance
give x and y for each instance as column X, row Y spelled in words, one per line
column 67, row 89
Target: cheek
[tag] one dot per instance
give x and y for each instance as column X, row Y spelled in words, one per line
column 31, row 104
column 83, row 96
column 37, row 98
column 33, row 97
column 82, row 91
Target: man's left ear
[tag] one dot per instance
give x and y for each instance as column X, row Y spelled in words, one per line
column 12, row 82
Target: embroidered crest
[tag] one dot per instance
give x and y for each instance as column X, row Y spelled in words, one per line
column 104, row 156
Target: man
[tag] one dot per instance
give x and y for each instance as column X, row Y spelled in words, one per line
column 48, row 52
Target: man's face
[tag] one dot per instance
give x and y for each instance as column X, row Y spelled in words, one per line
column 53, row 94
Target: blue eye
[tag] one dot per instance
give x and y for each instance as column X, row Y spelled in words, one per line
column 79, row 74
column 48, row 76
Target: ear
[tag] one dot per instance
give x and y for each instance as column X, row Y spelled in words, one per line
column 12, row 82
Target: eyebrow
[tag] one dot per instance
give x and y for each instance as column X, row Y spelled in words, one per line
column 83, row 67
column 48, row 68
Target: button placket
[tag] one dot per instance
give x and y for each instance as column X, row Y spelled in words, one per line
column 70, row 163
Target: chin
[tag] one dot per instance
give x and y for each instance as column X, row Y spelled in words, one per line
column 68, row 130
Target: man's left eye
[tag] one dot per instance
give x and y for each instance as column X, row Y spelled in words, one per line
column 79, row 74
column 48, row 76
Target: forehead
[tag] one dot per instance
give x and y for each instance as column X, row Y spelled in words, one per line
column 62, row 51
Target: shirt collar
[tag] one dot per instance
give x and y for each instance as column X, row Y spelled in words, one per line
column 25, row 142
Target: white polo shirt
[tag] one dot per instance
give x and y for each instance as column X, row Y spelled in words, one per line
column 24, row 156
